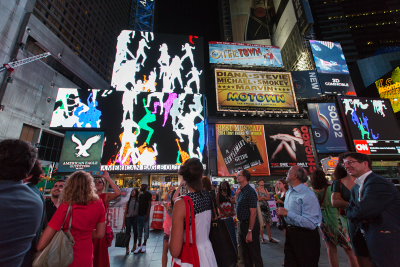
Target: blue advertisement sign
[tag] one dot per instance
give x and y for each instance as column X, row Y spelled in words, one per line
column 328, row 57
column 305, row 84
column 242, row 54
column 326, row 128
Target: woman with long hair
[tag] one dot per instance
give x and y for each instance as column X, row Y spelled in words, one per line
column 263, row 197
column 224, row 201
column 100, row 254
column 191, row 171
column 333, row 232
column 283, row 187
column 88, row 218
column 288, row 142
column 130, row 218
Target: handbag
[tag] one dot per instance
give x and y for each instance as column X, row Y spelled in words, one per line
column 109, row 232
column 341, row 211
column 59, row 252
column 122, row 239
column 189, row 255
column 223, row 240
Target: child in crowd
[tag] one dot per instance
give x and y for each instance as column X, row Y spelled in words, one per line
column 167, row 224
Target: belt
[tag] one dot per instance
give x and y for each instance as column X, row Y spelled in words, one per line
column 298, row 228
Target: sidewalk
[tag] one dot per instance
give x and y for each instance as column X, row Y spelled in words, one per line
column 272, row 254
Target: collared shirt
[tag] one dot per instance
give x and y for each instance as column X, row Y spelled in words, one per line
column 303, row 207
column 360, row 181
column 246, row 200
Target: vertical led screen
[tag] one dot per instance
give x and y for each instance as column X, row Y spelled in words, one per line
column 371, row 124
column 242, row 54
column 146, row 131
column 81, row 151
column 288, row 146
column 305, row 84
column 332, row 69
column 241, row 147
column 154, row 62
column 327, row 130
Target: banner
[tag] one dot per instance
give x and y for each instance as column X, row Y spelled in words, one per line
column 242, row 54
column 305, row 84
column 240, row 147
column 288, row 146
column 326, row 128
column 336, row 84
column 254, row 90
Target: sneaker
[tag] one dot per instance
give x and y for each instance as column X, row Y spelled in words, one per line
column 143, row 249
column 138, row 250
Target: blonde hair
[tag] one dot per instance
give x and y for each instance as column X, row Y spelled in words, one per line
column 79, row 189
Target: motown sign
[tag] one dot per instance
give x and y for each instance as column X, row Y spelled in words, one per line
column 254, row 90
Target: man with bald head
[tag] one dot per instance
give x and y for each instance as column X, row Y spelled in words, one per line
column 302, row 214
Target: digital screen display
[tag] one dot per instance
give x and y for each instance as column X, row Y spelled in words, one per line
column 328, row 57
column 305, row 84
column 389, row 87
column 242, row 54
column 326, row 127
column 81, row 151
column 241, row 147
column 254, row 90
column 154, row 62
column 288, row 146
column 372, row 125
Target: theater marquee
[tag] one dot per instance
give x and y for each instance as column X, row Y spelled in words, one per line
column 254, row 90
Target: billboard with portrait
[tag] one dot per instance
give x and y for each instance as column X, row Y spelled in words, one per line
column 155, row 62
column 242, row 54
column 305, row 84
column 241, row 147
column 288, row 146
column 81, row 151
column 254, row 90
column 371, row 125
column 326, row 127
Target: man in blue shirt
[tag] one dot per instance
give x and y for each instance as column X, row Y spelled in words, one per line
column 249, row 227
column 302, row 214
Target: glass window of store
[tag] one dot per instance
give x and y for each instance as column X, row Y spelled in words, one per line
column 160, row 183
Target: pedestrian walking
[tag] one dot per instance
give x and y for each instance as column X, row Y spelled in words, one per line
column 302, row 215
column 145, row 199
column 131, row 218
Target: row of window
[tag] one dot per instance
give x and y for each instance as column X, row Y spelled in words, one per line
column 364, row 14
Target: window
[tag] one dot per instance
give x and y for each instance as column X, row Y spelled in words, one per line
column 29, row 133
column 50, row 146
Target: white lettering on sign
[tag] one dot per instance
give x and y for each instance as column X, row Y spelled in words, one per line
column 361, row 147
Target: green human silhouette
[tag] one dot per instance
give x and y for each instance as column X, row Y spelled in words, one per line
column 148, row 118
column 363, row 131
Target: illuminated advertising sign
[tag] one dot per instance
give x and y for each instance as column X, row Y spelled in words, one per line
column 389, row 87
column 336, row 84
column 81, row 151
column 154, row 62
column 146, row 131
column 233, row 53
column 241, row 147
column 371, row 124
column 305, row 84
column 303, row 15
column 326, row 128
column 254, row 90
column 285, row 26
column 289, row 146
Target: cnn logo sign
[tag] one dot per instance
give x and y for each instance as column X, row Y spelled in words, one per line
column 362, row 146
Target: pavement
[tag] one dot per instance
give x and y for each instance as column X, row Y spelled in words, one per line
column 272, row 254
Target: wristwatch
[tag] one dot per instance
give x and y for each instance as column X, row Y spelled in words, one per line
column 250, row 230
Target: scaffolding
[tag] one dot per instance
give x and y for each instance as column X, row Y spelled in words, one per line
column 142, row 15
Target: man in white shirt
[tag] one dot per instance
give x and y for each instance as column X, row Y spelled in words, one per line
column 374, row 207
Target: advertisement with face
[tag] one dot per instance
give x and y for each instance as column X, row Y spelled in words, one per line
column 305, row 84
column 81, row 151
column 326, row 128
column 254, row 90
column 154, row 62
column 371, row 124
column 242, row 54
column 389, row 87
column 241, row 147
column 288, row 146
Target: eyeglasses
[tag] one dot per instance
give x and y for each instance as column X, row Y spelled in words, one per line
column 98, row 182
column 350, row 163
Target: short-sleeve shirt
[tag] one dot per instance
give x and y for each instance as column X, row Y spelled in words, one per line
column 246, row 200
column 144, row 199
column 345, row 192
column 133, row 208
column 84, row 221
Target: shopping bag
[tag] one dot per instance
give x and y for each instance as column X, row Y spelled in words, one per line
column 122, row 239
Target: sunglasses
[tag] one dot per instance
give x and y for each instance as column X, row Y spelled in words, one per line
column 98, row 182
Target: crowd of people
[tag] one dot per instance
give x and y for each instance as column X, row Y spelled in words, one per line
column 359, row 212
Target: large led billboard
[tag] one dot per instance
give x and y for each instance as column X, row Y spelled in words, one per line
column 154, row 62
column 254, row 90
column 146, row 131
column 81, row 151
column 326, row 127
column 289, row 146
column 371, row 124
column 305, row 84
column 241, row 147
column 244, row 54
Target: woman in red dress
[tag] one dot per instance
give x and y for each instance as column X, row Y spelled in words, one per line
column 100, row 252
column 88, row 218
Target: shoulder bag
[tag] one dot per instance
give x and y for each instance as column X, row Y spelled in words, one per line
column 341, row 211
column 60, row 250
column 323, row 197
column 189, row 254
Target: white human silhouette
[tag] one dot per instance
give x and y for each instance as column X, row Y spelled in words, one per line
column 147, row 157
column 175, row 67
column 164, row 57
column 146, row 35
column 188, row 53
column 358, row 104
column 125, row 74
column 378, row 107
column 140, row 50
column 127, row 102
column 197, row 155
column 197, row 106
column 165, row 74
column 188, row 90
column 195, row 78
column 133, row 151
column 347, row 106
column 128, row 135
column 122, row 47
column 176, row 109
column 150, row 85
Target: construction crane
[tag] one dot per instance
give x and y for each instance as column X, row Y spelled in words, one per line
column 12, row 65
